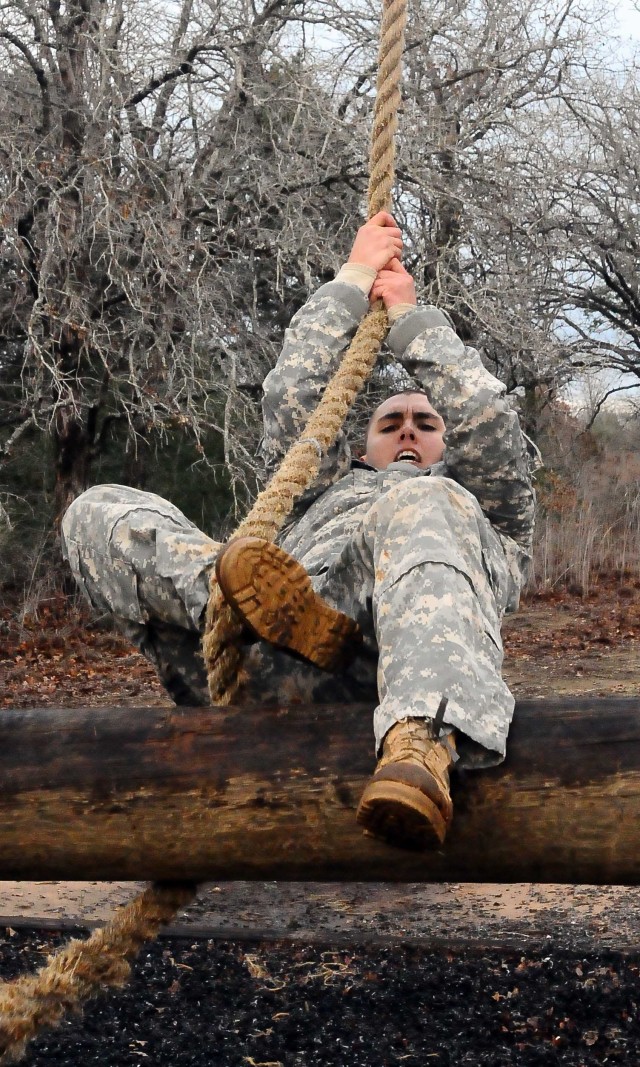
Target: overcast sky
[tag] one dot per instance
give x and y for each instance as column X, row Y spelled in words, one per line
column 629, row 18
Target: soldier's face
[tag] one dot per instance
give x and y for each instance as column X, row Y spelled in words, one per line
column 405, row 427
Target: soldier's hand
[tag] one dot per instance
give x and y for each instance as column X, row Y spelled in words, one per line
column 394, row 285
column 378, row 241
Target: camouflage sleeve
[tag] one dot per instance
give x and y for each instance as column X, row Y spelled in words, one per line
column 485, row 449
column 316, row 339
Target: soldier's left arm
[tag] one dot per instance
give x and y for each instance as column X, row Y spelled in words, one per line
column 485, row 450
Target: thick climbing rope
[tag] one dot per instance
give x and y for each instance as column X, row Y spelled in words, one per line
column 221, row 645
column 82, row 968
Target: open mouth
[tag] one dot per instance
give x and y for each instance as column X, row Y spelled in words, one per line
column 408, row 454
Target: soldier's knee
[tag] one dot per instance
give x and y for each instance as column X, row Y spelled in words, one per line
column 77, row 519
column 112, row 502
column 92, row 517
column 98, row 496
column 418, row 507
column 73, row 519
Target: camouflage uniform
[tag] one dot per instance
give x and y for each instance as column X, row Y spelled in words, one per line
column 427, row 561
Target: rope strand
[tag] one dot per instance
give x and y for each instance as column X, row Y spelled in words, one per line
column 80, row 969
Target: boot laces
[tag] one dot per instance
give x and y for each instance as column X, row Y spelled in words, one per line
column 412, row 740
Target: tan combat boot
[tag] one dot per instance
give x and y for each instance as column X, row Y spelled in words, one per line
column 272, row 594
column 407, row 801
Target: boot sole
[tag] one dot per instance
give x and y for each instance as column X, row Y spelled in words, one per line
column 401, row 815
column 272, row 593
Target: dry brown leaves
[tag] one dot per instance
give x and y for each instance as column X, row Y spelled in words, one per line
column 57, row 657
column 563, row 620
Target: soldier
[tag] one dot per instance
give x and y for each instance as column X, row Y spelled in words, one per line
column 394, row 571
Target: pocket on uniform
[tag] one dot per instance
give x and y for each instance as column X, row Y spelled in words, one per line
column 393, row 564
column 185, row 557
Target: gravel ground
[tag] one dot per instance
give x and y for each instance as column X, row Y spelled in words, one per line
column 200, row 1003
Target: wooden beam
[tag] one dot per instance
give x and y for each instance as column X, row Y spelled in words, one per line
column 254, row 793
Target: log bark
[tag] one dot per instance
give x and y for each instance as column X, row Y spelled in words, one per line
column 255, row 793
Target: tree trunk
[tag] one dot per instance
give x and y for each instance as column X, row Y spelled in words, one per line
column 73, row 456
column 254, row 793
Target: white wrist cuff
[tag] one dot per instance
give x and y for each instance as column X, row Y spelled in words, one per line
column 399, row 309
column 357, row 274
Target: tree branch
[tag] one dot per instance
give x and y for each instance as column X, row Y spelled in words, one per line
column 598, row 408
column 39, row 72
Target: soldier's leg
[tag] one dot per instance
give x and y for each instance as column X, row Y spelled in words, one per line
column 432, row 573
column 175, row 654
column 137, row 558
column 427, row 576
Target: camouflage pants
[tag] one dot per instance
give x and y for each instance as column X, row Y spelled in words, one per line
column 424, row 574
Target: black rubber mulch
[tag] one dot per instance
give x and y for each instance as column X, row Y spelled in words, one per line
column 223, row 1004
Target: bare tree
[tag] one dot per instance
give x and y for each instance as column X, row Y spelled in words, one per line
column 149, row 262
column 597, row 231
column 482, row 83
column 175, row 179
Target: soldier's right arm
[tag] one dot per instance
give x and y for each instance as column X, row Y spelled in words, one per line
column 485, row 450
column 317, row 338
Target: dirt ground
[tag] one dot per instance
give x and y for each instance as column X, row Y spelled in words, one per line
column 559, row 643
column 565, row 644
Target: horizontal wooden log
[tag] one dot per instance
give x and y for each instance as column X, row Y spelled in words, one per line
column 248, row 793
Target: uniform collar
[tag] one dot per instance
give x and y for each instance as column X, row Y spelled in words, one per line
column 405, row 467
